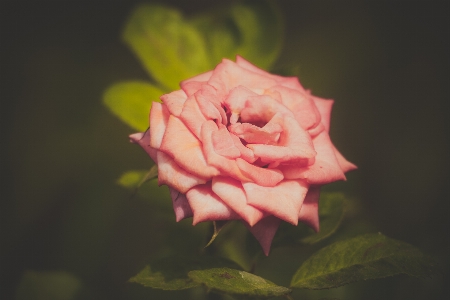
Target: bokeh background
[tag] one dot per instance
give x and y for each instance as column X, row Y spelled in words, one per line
column 66, row 225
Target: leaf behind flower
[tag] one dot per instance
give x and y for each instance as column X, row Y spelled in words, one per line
column 171, row 273
column 368, row 256
column 234, row 281
column 131, row 102
column 169, row 48
column 252, row 29
column 331, row 213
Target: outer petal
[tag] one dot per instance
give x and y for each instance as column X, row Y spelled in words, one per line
column 324, row 107
column 191, row 87
column 174, row 101
column 143, row 140
column 228, row 75
column 344, row 163
column 264, row 231
column 180, row 205
column 309, row 213
column 159, row 116
column 186, row 149
column 325, row 169
column 171, row 174
column 232, row 193
column 283, row 200
column 200, row 77
column 207, row 206
column 291, row 82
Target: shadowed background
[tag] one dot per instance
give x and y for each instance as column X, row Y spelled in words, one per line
column 385, row 63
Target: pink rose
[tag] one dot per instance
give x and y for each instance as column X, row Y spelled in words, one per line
column 238, row 143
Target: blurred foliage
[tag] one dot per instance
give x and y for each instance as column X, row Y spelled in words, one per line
column 172, row 48
column 131, row 102
column 61, row 211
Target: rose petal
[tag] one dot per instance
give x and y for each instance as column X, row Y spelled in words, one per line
column 143, row 140
column 209, row 105
column 228, row 75
column 223, row 144
column 232, row 193
column 174, row 101
column 235, row 101
column 180, row 205
column 264, row 231
column 225, row 165
column 191, row 87
column 309, row 213
column 254, row 134
column 325, row 169
column 324, row 107
column 343, row 162
column 291, row 82
column 171, row 174
column 246, row 153
column 186, row 150
column 207, row 206
column 283, row 200
column 200, row 77
column 262, row 109
column 294, row 145
column 301, row 104
column 159, row 116
column 260, row 176
column 192, row 116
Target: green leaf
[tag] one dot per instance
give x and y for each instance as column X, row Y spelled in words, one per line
column 169, row 48
column 135, row 178
column 237, row 282
column 252, row 29
column 171, row 273
column 331, row 213
column 131, row 102
column 368, row 256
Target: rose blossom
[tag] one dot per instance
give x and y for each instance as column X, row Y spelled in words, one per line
column 238, row 143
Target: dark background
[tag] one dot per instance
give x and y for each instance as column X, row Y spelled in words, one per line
column 385, row 63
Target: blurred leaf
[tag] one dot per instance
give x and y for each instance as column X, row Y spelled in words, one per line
column 50, row 285
column 368, row 256
column 134, row 179
column 171, row 273
column 261, row 30
column 331, row 213
column 237, row 282
column 131, row 102
column 170, row 49
column 252, row 29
